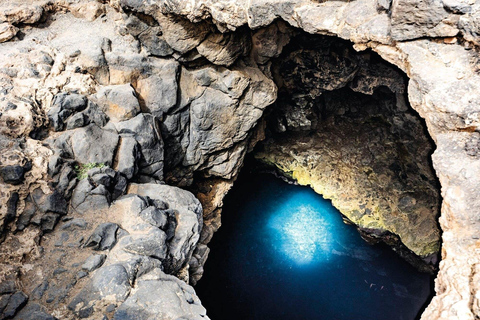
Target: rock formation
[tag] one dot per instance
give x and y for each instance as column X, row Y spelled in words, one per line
column 107, row 107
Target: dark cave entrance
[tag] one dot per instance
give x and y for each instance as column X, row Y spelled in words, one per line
column 342, row 125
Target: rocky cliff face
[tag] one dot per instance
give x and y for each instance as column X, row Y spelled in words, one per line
column 106, row 104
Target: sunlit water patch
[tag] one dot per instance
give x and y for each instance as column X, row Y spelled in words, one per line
column 283, row 252
column 301, row 230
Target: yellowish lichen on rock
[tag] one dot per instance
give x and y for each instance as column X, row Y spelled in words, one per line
column 372, row 198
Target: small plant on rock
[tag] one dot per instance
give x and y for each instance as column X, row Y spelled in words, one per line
column 82, row 169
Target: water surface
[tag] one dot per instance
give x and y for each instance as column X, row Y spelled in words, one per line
column 283, row 252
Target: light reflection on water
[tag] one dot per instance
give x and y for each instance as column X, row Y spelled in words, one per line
column 286, row 254
column 302, row 232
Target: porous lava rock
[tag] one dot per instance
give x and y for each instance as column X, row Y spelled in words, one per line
column 201, row 72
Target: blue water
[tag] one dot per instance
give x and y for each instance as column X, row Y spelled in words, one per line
column 283, row 252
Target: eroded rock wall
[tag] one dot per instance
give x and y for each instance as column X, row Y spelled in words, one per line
column 158, row 93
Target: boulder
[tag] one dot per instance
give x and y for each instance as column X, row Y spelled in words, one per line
column 155, row 216
column 118, row 102
column 188, row 219
column 12, row 174
column 150, row 245
column 54, row 202
column 7, row 32
column 154, row 42
column 94, row 262
column 34, row 311
column 110, row 283
column 89, row 10
column 23, row 13
column 63, row 106
column 158, row 92
column 104, row 237
column 128, row 156
column 84, row 198
column 92, row 145
column 76, row 121
column 14, row 303
column 145, row 131
column 93, row 114
column 135, row 25
column 167, row 298
column 70, row 101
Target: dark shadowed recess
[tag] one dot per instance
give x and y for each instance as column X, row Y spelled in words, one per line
column 347, row 110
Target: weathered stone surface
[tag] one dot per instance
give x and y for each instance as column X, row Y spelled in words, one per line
column 70, row 101
column 7, row 32
column 12, row 174
column 224, row 106
column 89, row 10
column 13, row 304
column 118, row 102
column 128, row 155
column 76, row 121
column 159, row 91
column 150, row 245
column 181, row 34
column 414, row 19
column 154, row 216
column 456, row 161
column 26, row 13
column 268, row 42
column 145, row 130
column 7, row 286
column 152, row 39
column 189, row 220
column 94, row 145
column 93, row 114
column 63, row 106
column 110, row 283
column 224, row 48
column 34, row 312
column 94, row 262
column 167, row 298
column 85, row 196
column 74, row 223
column 53, row 202
column 104, row 237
